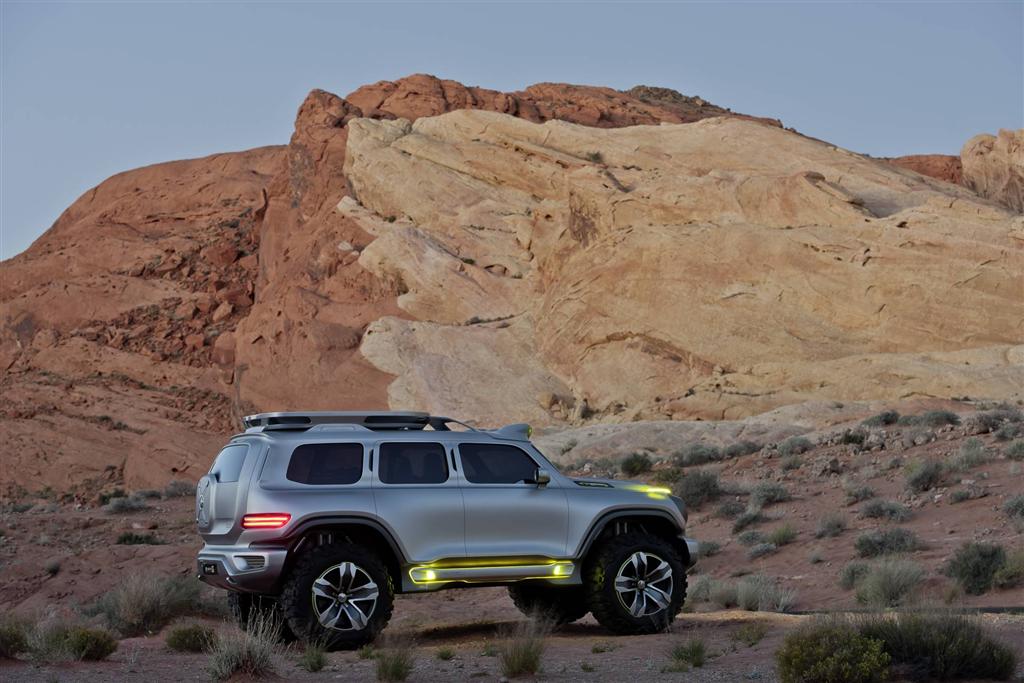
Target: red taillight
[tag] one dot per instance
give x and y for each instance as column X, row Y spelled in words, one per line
column 268, row 520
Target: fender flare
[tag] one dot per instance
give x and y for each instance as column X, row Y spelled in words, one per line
column 598, row 526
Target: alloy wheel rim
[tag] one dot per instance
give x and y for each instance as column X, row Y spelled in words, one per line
column 644, row 584
column 344, row 597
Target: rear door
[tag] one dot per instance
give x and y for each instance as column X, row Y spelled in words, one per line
column 220, row 495
column 505, row 516
column 417, row 495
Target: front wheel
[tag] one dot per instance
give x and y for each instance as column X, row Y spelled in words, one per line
column 560, row 604
column 636, row 584
column 340, row 595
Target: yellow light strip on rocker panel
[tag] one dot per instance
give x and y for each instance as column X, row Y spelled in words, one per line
column 426, row 574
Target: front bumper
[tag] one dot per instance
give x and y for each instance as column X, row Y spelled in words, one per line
column 692, row 548
column 241, row 568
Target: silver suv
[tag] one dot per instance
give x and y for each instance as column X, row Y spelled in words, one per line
column 320, row 518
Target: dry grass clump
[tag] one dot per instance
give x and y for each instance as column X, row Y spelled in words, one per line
column 697, row 454
column 885, row 509
column 887, row 542
column 1014, row 508
column 1011, row 573
column 783, row 535
column 684, row 655
column 191, row 638
column 924, row 475
column 741, row 448
column 249, row 653
column 761, row 550
column 51, row 640
column 856, row 493
column 749, row 517
column 523, row 647
column 852, row 572
column 830, row 525
column 1015, row 451
column 890, row 583
column 974, row 566
column 179, row 488
column 313, row 657
column 886, row 417
column 125, row 504
column 767, row 493
column 794, row 445
column 13, row 636
column 144, row 604
column 971, row 454
column 750, row 633
column 758, row 593
column 697, row 488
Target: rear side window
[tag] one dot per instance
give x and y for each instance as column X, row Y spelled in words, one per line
column 495, row 463
column 228, row 465
column 326, row 463
column 413, row 463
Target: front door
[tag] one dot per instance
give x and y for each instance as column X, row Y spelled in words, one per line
column 505, row 515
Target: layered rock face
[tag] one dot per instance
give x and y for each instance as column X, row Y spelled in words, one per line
column 708, row 270
column 561, row 255
column 994, row 167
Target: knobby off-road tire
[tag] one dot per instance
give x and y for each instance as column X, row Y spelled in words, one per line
column 245, row 607
column 562, row 605
column 614, row 559
column 340, row 569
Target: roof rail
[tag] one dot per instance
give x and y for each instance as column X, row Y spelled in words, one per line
column 375, row 420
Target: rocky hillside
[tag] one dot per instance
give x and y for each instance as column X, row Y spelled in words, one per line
column 602, row 256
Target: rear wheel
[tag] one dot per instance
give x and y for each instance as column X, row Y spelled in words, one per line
column 560, row 604
column 636, row 584
column 341, row 595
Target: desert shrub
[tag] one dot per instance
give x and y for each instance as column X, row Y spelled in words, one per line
column 761, row 549
column 724, row 594
column 852, row 573
column 52, row 567
column 147, row 494
column 698, row 487
column 445, row 653
column 143, row 604
column 992, row 420
column 123, row 504
column 767, row 493
column 314, row 657
column 795, row 445
column 924, row 475
column 249, row 653
column 970, row 455
column 974, row 565
column 132, row 538
column 179, row 488
column 667, row 476
column 636, row 463
column 790, row 463
column 939, row 646
column 917, row 436
column 1015, row 451
column 741, row 448
column 853, row 436
column 1011, row 573
column 691, row 653
column 782, row 535
column 13, row 636
column 890, row 583
column 523, row 648
column 750, row 633
column 959, row 496
column 887, row 542
column 856, row 494
column 697, row 454
column 191, row 638
column 730, row 509
column 831, row 651
column 90, row 644
column 886, row 417
column 830, row 525
column 750, row 537
column 699, row 589
column 750, row 517
column 1014, row 507
column 938, row 418
column 708, row 548
column 761, row 594
column 1008, row 431
column 885, row 509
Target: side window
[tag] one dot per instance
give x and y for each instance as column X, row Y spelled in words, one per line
column 326, row 463
column 413, row 463
column 495, row 464
column 228, row 465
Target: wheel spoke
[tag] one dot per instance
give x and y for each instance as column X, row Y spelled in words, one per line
column 343, row 586
column 660, row 597
column 330, row 616
column 355, row 616
column 623, row 583
column 323, row 589
column 661, row 572
column 367, row 591
column 639, row 605
column 644, row 584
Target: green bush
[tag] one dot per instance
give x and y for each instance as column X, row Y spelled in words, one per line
column 886, row 417
column 853, row 436
column 1015, row 451
column 971, row 454
column 939, row 646
column 635, row 464
column 830, row 525
column 959, row 496
column 698, row 487
column 830, row 651
column 852, row 573
column 925, row 475
column 697, row 454
column 13, row 636
column 890, row 583
column 887, row 542
column 795, row 445
column 741, row 448
column 132, row 538
column 782, row 535
column 191, row 638
column 974, row 566
column 730, row 509
column 90, row 644
column 1011, row 573
column 143, row 604
column 767, row 493
column 1014, row 507
column 1007, row 432
column 885, row 509
column 667, row 476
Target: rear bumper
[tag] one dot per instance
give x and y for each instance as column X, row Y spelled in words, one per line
column 241, row 568
column 692, row 548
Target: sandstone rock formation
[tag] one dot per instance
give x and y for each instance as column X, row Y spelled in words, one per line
column 531, row 259
column 994, row 167
column 942, row 166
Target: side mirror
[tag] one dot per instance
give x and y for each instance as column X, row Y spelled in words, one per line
column 541, row 477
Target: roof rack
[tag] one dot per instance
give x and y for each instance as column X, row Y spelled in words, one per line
column 374, row 420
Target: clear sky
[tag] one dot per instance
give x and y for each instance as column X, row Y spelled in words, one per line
column 89, row 89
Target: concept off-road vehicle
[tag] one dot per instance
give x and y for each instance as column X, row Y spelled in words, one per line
column 320, row 518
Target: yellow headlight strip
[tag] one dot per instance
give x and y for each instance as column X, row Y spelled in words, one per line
column 656, row 492
column 423, row 574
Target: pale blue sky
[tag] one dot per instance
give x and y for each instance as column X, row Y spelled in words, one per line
column 89, row 89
